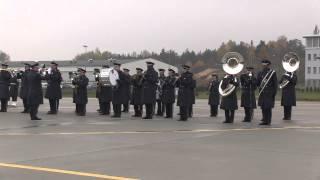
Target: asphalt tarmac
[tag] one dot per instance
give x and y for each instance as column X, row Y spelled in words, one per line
column 68, row 147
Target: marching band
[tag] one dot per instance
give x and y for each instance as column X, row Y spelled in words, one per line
column 151, row 89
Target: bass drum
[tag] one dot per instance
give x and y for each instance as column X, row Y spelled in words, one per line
column 113, row 76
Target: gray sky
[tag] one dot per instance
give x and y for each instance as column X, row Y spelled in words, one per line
column 57, row 29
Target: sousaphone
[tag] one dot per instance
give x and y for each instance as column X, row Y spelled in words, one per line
column 290, row 63
column 232, row 63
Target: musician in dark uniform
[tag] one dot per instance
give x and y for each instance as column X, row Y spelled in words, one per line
column 24, row 87
column 104, row 94
column 34, row 91
column 149, row 87
column 80, row 94
column 268, row 85
column 186, row 89
column 14, row 88
column 160, row 104
column 168, row 93
column 5, row 77
column 53, row 91
column 288, row 98
column 136, row 98
column 248, row 99
column 126, row 89
column 229, row 102
column 96, row 73
column 193, row 96
column 214, row 96
column 118, row 92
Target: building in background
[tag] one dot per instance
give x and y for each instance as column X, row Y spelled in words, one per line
column 312, row 60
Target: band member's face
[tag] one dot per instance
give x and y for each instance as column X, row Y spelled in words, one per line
column 117, row 67
column 36, row 68
column 161, row 73
column 139, row 72
column 82, row 73
column 214, row 78
column 171, row 73
column 126, row 72
column 53, row 66
column 4, row 67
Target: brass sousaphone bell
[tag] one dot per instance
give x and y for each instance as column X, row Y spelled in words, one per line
column 290, row 63
column 232, row 63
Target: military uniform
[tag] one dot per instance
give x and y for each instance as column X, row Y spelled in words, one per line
column 136, row 97
column 185, row 93
column 127, row 91
column 80, row 94
column 24, row 88
column 34, row 92
column 149, row 87
column 53, row 91
column 5, row 77
column 159, row 95
column 229, row 103
column 14, row 88
column 104, row 95
column 267, row 96
column 288, row 98
column 214, row 97
column 118, row 93
column 168, row 95
column 248, row 98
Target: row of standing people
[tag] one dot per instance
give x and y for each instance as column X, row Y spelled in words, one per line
column 249, row 83
column 31, row 91
column 147, row 89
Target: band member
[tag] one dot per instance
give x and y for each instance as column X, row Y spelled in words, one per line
column 149, row 87
column 288, row 98
column 160, row 104
column 185, row 93
column 53, row 91
column 24, row 87
column 126, row 89
column 5, row 77
column 268, row 85
column 80, row 94
column 229, row 102
column 118, row 92
column 214, row 96
column 248, row 99
column 14, row 87
column 193, row 96
column 168, row 93
column 104, row 94
column 137, row 93
column 96, row 73
column 34, row 91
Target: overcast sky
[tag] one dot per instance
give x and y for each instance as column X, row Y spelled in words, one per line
column 57, row 29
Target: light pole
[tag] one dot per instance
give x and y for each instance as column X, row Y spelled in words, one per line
column 85, row 48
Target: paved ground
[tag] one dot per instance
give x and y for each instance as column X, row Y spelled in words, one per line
column 159, row 149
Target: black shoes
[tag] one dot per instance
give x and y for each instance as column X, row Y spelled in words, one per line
column 264, row 124
column 147, row 117
column 35, row 119
column 51, row 112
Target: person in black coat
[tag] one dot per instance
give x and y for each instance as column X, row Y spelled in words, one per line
column 5, row 77
column 268, row 93
column 229, row 102
column 14, row 87
column 53, row 91
column 34, row 91
column 149, row 87
column 136, row 97
column 193, row 96
column 118, row 92
column 288, row 98
column 168, row 93
column 24, row 86
column 248, row 99
column 214, row 96
column 186, row 84
column 159, row 95
column 104, row 93
column 126, row 89
column 80, row 94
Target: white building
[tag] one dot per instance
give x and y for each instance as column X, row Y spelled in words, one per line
column 312, row 60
